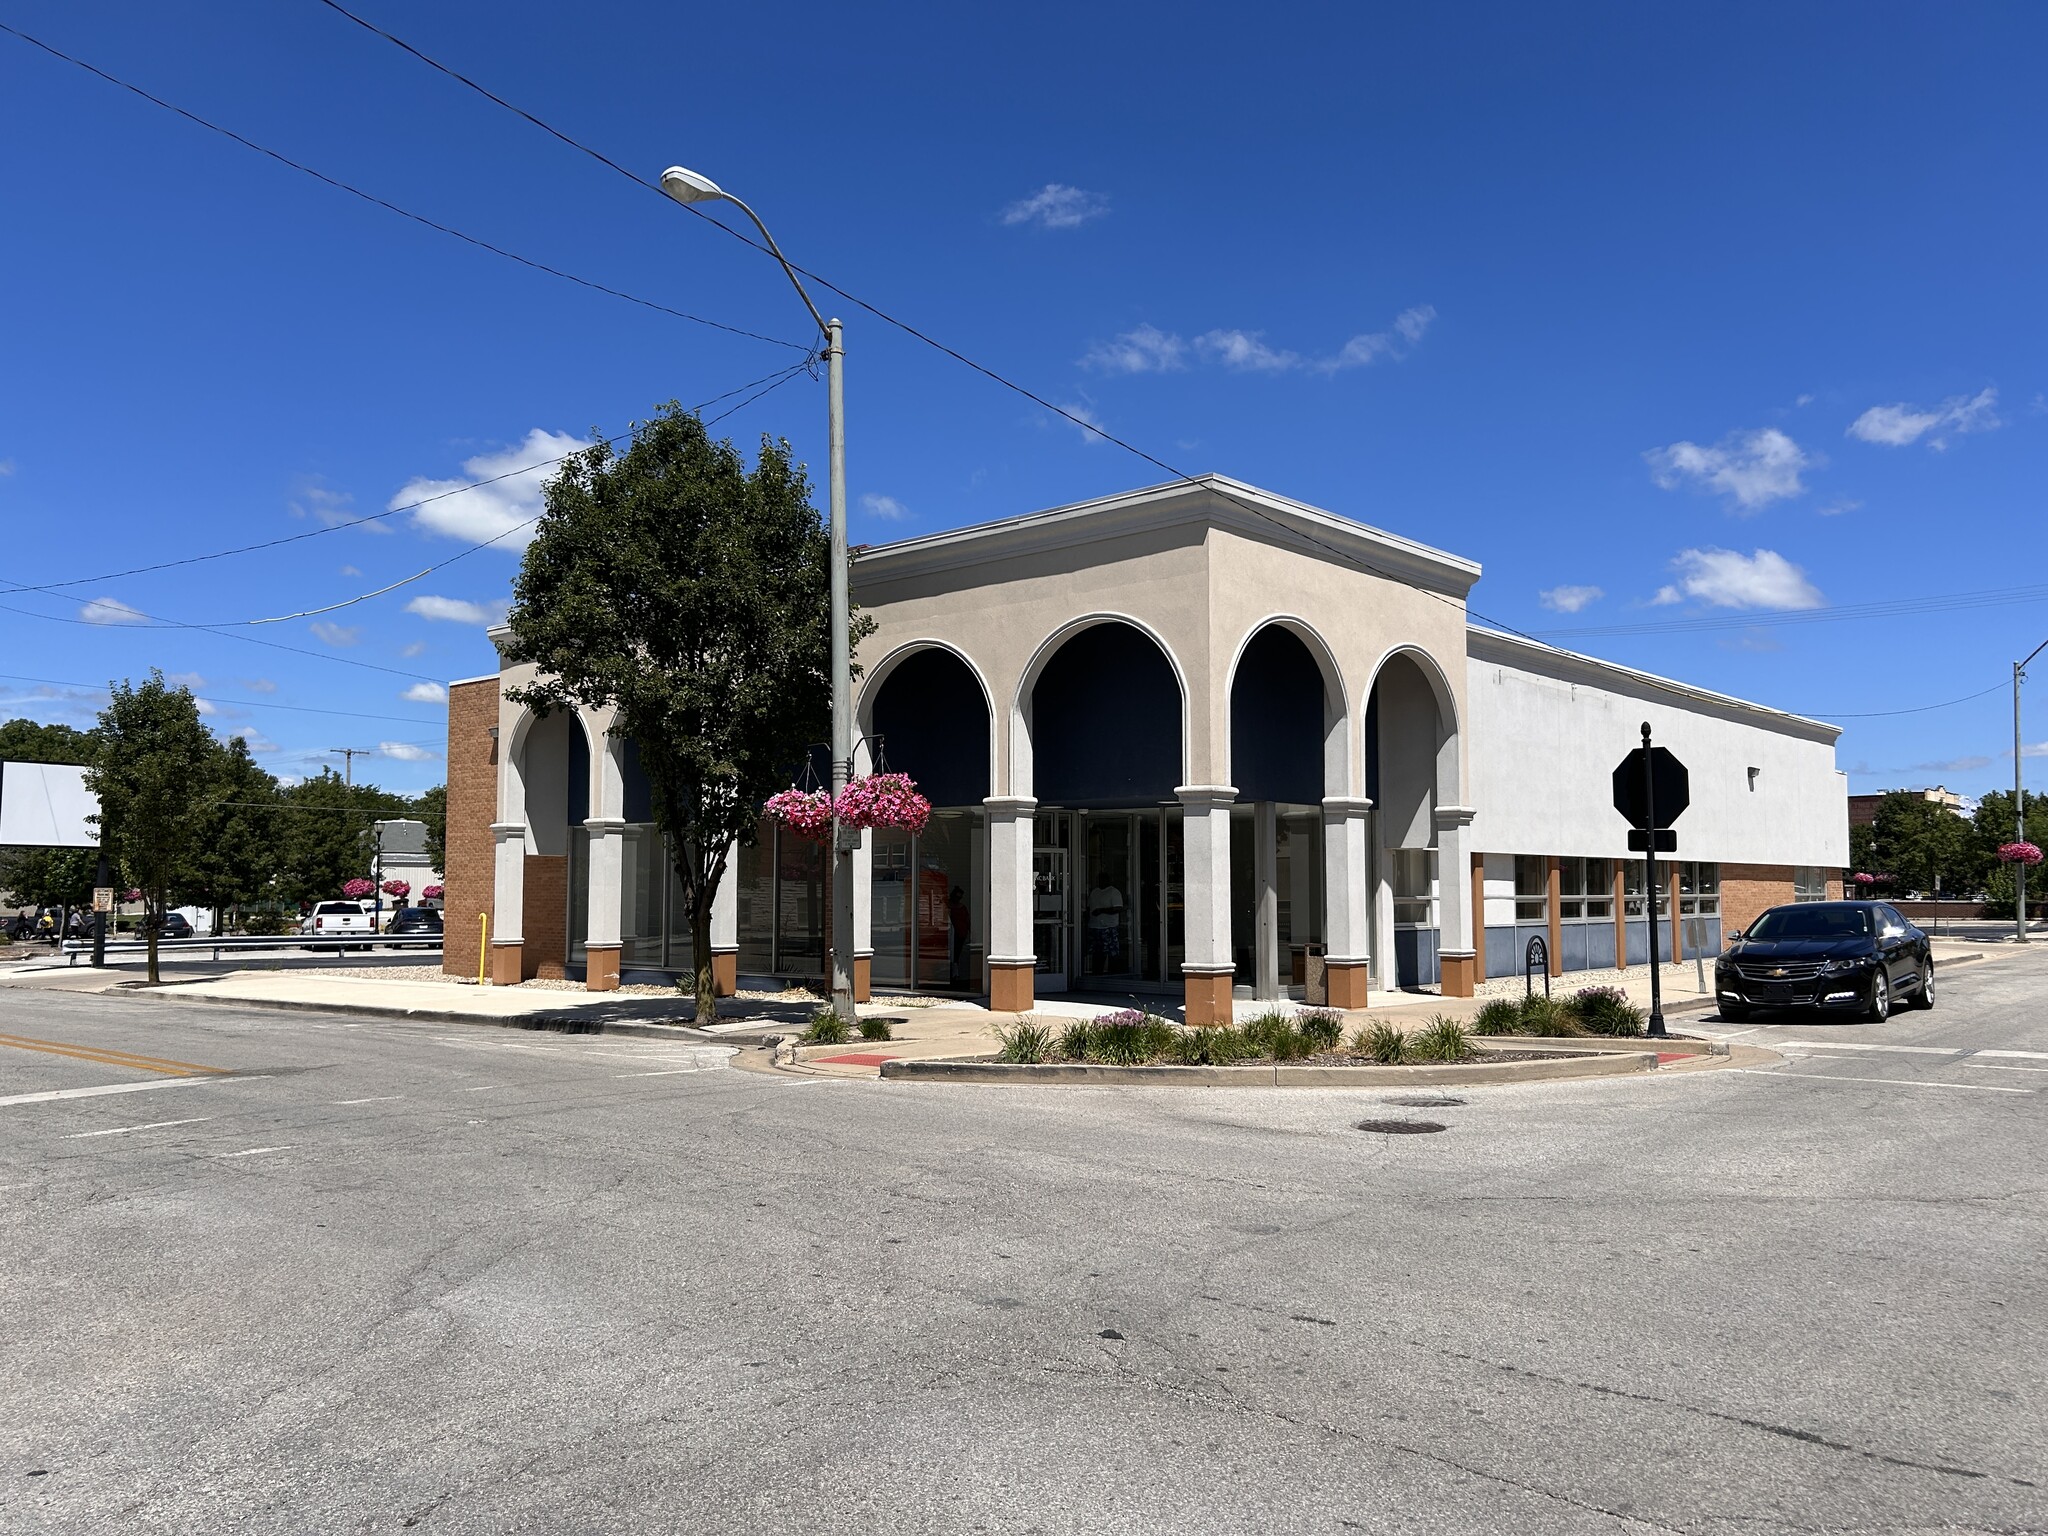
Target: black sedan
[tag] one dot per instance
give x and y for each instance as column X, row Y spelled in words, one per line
column 1856, row 957
column 172, row 925
column 415, row 922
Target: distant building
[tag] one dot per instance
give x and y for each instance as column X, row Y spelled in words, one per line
column 398, row 851
column 1863, row 808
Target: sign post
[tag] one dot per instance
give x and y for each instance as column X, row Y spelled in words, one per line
column 1652, row 789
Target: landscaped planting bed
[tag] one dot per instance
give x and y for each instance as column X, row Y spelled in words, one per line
column 1314, row 1038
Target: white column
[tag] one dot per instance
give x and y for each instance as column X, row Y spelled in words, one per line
column 1347, row 881
column 606, row 876
column 1266, row 908
column 1205, row 831
column 725, row 906
column 1009, row 879
column 863, row 896
column 1454, row 879
column 508, row 883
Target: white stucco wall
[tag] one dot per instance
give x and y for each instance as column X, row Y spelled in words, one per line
column 1549, row 727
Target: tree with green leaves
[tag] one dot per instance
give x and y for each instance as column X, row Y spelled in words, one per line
column 692, row 596
column 151, row 772
column 322, row 826
column 1920, row 843
column 29, row 741
column 431, row 806
column 234, row 858
column 1995, row 826
column 46, row 877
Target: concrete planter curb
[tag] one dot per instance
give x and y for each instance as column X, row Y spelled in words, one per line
column 558, row 1023
column 1670, row 1045
column 1273, row 1075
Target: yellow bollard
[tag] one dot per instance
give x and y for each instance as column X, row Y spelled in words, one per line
column 483, row 946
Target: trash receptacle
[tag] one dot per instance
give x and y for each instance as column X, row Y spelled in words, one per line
column 1315, row 981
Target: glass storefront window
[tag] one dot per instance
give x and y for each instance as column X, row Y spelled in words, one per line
column 1532, row 888
column 1632, row 888
column 1413, row 882
column 949, row 879
column 889, row 910
column 1809, row 883
column 1699, row 889
column 754, row 870
column 1587, row 888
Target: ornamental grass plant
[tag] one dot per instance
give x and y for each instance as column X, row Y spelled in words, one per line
column 1443, row 1039
column 1275, row 1034
column 1383, row 1042
column 1542, row 1014
column 1321, row 1027
column 876, row 1029
column 1497, row 1016
column 1025, row 1042
column 826, row 1028
column 1213, row 1045
column 1606, row 1011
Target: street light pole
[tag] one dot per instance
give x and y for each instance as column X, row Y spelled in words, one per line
column 686, row 187
column 2019, row 799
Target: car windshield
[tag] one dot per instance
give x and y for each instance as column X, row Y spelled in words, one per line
column 1812, row 922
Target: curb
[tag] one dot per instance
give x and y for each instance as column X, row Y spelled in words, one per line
column 1279, row 1075
column 565, row 1024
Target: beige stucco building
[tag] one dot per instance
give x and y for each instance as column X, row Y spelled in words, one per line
column 1197, row 739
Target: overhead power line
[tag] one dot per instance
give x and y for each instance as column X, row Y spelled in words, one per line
column 1990, row 597
column 391, row 207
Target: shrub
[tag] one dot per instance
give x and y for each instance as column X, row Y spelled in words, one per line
column 263, row 924
column 1129, row 1038
column 1274, row 1034
column 1383, row 1042
column 1497, row 1016
column 1215, row 1045
column 1607, row 1011
column 1076, row 1039
column 1024, row 1041
column 827, row 1028
column 876, row 1029
column 1545, row 1015
column 1442, row 1039
column 1320, row 1027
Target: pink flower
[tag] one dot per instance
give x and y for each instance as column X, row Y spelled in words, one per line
column 1864, row 879
column 2019, row 853
column 355, row 890
column 432, row 893
column 886, row 801
column 398, row 888
column 806, row 812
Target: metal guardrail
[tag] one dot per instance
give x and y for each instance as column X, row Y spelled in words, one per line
column 73, row 948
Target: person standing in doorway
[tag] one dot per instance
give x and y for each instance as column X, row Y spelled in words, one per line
column 1105, row 926
column 961, row 923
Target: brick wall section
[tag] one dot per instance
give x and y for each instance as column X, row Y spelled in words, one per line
column 472, row 807
column 1747, row 890
column 546, row 951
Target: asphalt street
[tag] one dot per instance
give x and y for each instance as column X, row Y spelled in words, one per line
column 449, row 1278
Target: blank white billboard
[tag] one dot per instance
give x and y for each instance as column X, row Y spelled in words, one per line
column 45, row 805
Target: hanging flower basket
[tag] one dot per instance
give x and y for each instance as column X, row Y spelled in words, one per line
column 433, row 893
column 806, row 812
column 2019, row 853
column 399, row 888
column 356, row 890
column 131, row 894
column 887, row 802
column 1864, row 879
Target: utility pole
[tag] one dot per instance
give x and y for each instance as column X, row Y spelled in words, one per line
column 349, row 756
column 2019, row 798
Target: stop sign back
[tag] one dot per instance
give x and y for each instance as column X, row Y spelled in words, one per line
column 1670, row 784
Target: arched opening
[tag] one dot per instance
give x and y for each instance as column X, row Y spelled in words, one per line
column 1282, row 713
column 1411, row 769
column 928, row 716
column 1104, row 716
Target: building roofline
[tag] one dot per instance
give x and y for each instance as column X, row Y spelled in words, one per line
column 1591, row 669
column 1214, row 499
column 464, row 682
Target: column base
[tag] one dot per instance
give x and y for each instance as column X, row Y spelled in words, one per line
column 506, row 962
column 863, row 978
column 1347, row 984
column 1009, row 987
column 725, row 972
column 1207, row 997
column 1457, row 975
column 601, row 969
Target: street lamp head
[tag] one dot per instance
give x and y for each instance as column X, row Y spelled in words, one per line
column 686, row 186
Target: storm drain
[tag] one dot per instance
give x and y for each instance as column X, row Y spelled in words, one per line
column 1425, row 1101
column 1401, row 1127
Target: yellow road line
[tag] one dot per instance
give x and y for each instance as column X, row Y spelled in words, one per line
column 112, row 1058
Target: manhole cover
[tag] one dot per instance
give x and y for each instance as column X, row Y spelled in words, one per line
column 1400, row 1127
column 1424, row 1101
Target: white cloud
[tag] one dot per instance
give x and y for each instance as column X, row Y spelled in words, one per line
column 1838, row 507
column 259, row 685
column 1803, row 400
column 1363, row 350
column 111, row 610
column 1088, row 423
column 203, row 706
column 425, row 693
column 1144, row 350
column 316, row 500
column 1057, row 206
column 487, row 511
column 456, row 610
column 888, row 508
column 1568, row 599
column 406, row 752
column 1895, row 426
column 349, row 570
column 6, row 468
column 335, row 634
column 1725, row 578
column 185, row 679
column 1752, row 469
column 1245, row 351
column 258, row 742
column 415, row 648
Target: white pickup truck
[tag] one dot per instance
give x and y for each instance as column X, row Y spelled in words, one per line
column 331, row 919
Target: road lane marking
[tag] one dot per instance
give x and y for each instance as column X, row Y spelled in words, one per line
column 2025, row 1055
column 1992, row 1066
column 121, row 1088
column 665, row 1072
column 123, row 1130
column 107, row 1057
column 252, row 1151
column 1882, row 1082
column 486, row 1088
column 1865, row 1045
column 382, row 1098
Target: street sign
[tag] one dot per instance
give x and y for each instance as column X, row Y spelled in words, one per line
column 103, row 898
column 1663, row 840
column 1671, row 783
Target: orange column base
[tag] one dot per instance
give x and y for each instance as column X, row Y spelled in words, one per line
column 863, row 978
column 725, row 973
column 601, row 972
column 506, row 960
column 1458, row 975
column 1207, row 998
column 1009, row 988
column 1347, row 985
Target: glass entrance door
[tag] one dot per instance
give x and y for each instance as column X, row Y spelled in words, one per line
column 1051, row 854
column 1109, row 906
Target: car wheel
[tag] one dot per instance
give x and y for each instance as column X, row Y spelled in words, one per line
column 1880, row 1007
column 1734, row 1013
column 1923, row 996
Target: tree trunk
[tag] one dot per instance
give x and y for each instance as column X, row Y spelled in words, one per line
column 154, row 929
column 700, row 952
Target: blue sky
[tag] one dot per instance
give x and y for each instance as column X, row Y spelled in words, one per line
column 1663, row 314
